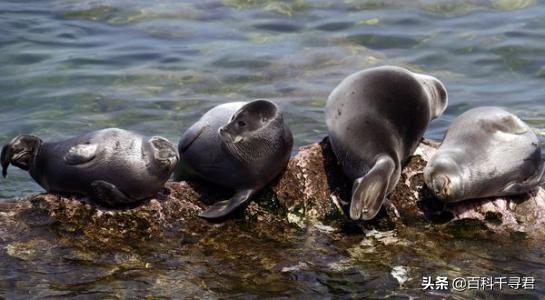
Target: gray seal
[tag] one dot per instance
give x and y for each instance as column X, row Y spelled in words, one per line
column 486, row 152
column 238, row 145
column 375, row 120
column 112, row 166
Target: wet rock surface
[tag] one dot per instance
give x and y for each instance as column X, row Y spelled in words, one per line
column 313, row 190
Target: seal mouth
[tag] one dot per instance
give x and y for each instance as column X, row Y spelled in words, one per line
column 167, row 163
column 170, row 162
column 164, row 152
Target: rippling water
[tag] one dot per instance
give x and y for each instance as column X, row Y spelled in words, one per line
column 67, row 67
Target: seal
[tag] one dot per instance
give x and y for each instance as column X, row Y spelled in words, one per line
column 486, row 152
column 112, row 166
column 238, row 145
column 375, row 120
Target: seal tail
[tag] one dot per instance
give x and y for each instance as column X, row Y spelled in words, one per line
column 369, row 191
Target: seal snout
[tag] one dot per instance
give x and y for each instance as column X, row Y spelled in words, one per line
column 441, row 176
column 226, row 136
column 441, row 186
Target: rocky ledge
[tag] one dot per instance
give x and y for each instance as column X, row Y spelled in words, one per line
column 313, row 190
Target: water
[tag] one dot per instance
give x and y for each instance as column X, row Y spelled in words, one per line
column 68, row 67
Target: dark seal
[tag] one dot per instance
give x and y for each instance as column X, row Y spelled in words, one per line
column 238, row 145
column 375, row 120
column 112, row 166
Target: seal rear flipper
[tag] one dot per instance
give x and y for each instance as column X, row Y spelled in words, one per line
column 109, row 194
column 514, row 188
column 5, row 159
column 223, row 208
column 369, row 191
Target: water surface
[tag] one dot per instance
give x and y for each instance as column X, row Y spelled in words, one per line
column 68, row 67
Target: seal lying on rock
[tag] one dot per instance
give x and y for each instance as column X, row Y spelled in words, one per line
column 375, row 120
column 239, row 145
column 486, row 152
column 113, row 166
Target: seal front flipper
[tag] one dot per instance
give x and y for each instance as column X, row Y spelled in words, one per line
column 223, row 208
column 527, row 185
column 369, row 191
column 109, row 194
column 81, row 154
column 504, row 123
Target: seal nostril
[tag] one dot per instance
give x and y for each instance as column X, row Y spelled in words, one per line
column 168, row 153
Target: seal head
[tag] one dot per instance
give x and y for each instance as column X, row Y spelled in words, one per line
column 444, row 176
column 20, row 152
column 486, row 152
column 245, row 136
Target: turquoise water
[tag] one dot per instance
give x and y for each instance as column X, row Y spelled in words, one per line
column 67, row 67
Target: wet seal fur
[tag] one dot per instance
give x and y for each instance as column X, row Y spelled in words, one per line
column 238, row 145
column 375, row 120
column 112, row 166
column 486, row 152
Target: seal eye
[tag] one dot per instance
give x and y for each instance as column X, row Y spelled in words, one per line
column 241, row 123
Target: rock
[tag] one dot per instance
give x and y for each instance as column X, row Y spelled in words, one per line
column 313, row 190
